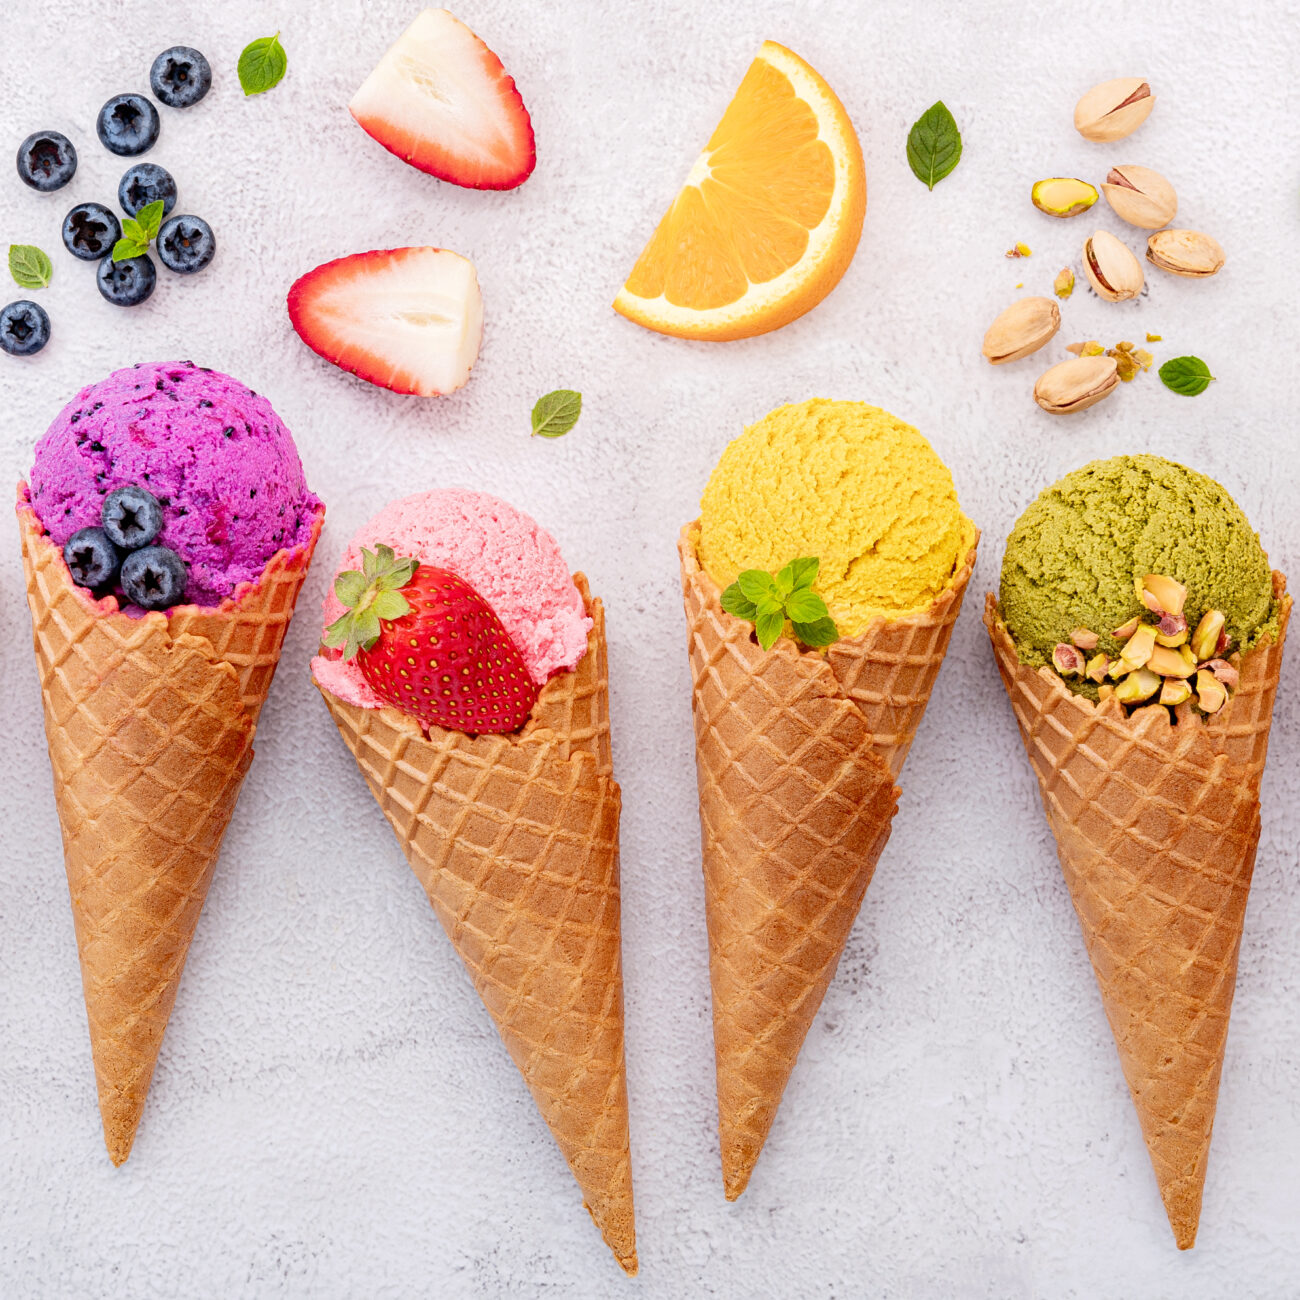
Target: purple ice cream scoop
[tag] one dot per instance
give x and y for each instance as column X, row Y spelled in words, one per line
column 214, row 453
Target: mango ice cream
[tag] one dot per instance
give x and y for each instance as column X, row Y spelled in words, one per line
column 850, row 484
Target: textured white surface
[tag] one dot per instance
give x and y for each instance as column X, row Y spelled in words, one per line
column 333, row 1115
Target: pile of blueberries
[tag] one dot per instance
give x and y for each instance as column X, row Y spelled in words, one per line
column 127, row 125
column 118, row 552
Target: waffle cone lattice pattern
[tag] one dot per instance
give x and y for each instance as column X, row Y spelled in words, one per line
column 150, row 732
column 515, row 840
column 795, row 807
column 1156, row 827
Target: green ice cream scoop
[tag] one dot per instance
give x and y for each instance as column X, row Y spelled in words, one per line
column 1072, row 557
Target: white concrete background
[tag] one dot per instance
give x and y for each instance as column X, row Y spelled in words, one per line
column 333, row 1115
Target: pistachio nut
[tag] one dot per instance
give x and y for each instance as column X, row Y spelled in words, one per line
column 1169, row 663
column 1225, row 672
column 1114, row 271
column 1096, row 669
column 1138, row 686
column 1068, row 660
column 1175, row 691
column 1023, row 328
column 1139, row 647
column 1063, row 196
column 1076, row 384
column 1063, row 285
column 1169, row 596
column 1114, row 109
column 1140, row 196
column 1208, row 634
column 1171, row 630
column 1085, row 638
column 1211, row 694
column 1125, row 631
column 1185, row 252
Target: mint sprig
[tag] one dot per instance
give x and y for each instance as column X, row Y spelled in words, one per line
column 933, row 144
column 370, row 595
column 139, row 232
column 767, row 600
column 262, row 64
column 1189, row 376
column 556, row 413
column 30, row 267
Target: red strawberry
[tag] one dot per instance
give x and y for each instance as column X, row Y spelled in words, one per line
column 440, row 100
column 409, row 319
column 430, row 645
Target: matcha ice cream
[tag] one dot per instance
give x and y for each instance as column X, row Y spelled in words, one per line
column 850, row 484
column 1073, row 556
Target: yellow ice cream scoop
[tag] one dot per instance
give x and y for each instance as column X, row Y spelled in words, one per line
column 850, row 484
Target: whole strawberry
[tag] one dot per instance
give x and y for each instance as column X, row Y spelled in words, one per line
column 430, row 645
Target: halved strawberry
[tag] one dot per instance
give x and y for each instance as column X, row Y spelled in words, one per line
column 440, row 100
column 430, row 645
column 409, row 319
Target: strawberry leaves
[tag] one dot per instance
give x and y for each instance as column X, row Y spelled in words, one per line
column 371, row 595
column 768, row 600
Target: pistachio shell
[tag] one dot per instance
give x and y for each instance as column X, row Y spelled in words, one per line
column 1063, row 196
column 1140, row 196
column 1114, row 109
column 1076, row 384
column 1023, row 328
column 1189, row 253
column 1111, row 267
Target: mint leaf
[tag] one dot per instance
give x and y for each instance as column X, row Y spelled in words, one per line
column 149, row 219
column 821, row 633
column 30, row 268
column 262, row 64
column 933, row 145
column 1189, row 376
column 735, row 602
column 804, row 606
column 556, row 413
column 804, row 570
column 759, row 586
column 785, row 580
column 135, row 234
column 769, row 626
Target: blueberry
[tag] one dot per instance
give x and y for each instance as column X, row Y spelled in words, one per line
column 89, row 231
column 46, row 161
column 128, row 283
column 132, row 517
column 91, row 557
column 180, row 77
column 144, row 183
column 154, row 578
column 24, row 328
column 186, row 244
column 127, row 125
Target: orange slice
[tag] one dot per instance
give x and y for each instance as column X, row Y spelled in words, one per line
column 768, row 219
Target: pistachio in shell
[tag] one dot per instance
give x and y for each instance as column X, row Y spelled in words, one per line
column 1111, row 267
column 1190, row 253
column 1140, row 196
column 1114, row 109
column 1023, row 328
column 1076, row 384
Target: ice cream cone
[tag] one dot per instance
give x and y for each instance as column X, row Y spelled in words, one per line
column 797, row 796
column 1156, row 826
column 150, row 725
column 515, row 840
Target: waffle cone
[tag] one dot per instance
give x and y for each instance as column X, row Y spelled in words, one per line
column 1156, row 827
column 150, row 725
column 796, row 757
column 515, row 840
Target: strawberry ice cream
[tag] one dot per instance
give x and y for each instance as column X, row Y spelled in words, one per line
column 216, row 456
column 505, row 556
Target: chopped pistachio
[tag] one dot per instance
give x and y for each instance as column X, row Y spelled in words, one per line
column 1224, row 672
column 1097, row 667
column 1155, row 338
column 1175, row 691
column 1205, row 640
column 1020, row 250
column 1211, row 694
column 1170, row 596
column 1169, row 663
column 1084, row 638
column 1171, row 630
column 1138, row 686
column 1064, row 283
column 1137, row 649
column 1126, row 630
column 1067, row 660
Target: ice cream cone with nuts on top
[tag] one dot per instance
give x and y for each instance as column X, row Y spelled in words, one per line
column 465, row 669
column 165, row 537
column 821, row 585
column 1139, row 635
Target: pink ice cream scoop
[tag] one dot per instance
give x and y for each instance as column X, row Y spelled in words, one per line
column 507, row 557
column 214, row 453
